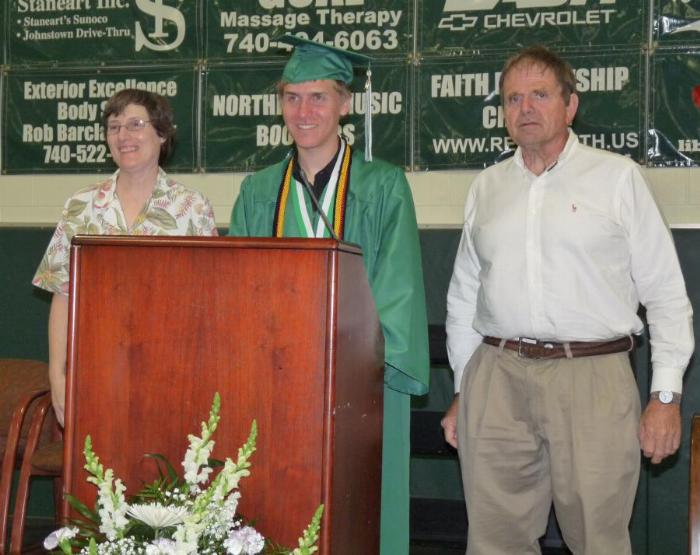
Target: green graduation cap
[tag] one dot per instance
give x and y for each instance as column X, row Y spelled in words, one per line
column 313, row 61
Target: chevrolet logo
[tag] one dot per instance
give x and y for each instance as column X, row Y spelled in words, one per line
column 457, row 22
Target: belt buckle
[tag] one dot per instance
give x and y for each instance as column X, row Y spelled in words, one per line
column 524, row 344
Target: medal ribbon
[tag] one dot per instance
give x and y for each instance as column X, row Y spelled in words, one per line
column 337, row 188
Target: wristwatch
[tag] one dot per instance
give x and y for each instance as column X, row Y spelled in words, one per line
column 666, row 397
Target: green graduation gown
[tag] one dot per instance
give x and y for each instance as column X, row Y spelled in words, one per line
column 380, row 217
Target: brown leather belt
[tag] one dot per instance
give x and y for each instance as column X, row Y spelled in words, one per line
column 534, row 348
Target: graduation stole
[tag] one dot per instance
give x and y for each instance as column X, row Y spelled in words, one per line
column 337, row 188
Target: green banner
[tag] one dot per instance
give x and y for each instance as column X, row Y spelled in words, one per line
column 460, row 119
column 5, row 33
column 677, row 22
column 248, row 29
column 461, row 26
column 52, row 119
column 98, row 32
column 243, row 126
column 611, row 101
column 674, row 128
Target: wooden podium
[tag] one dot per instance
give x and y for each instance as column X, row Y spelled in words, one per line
column 284, row 329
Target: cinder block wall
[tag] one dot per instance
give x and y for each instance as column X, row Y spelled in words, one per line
column 439, row 195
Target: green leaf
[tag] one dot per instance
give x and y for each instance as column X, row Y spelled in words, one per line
column 83, row 509
column 159, row 193
column 272, row 548
column 66, row 547
column 87, row 529
column 92, row 229
column 215, row 463
column 120, row 221
column 75, row 208
column 162, row 218
column 160, row 459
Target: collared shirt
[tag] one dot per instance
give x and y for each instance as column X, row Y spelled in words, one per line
column 171, row 210
column 568, row 255
column 320, row 179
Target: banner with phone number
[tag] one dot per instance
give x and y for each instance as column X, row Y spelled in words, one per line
column 52, row 119
column 239, row 30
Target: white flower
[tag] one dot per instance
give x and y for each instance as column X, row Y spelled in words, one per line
column 111, row 505
column 229, row 477
column 161, row 546
column 197, row 455
column 54, row 538
column 187, row 534
column 244, row 541
column 220, row 517
column 202, row 514
column 156, row 515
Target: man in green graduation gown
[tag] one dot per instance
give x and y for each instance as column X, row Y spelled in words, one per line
column 368, row 203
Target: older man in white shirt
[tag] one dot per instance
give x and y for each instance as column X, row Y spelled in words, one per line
column 561, row 244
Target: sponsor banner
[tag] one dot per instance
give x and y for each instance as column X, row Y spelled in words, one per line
column 52, row 119
column 461, row 123
column 3, row 33
column 248, row 29
column 677, row 22
column 612, row 101
column 459, row 120
column 674, row 127
column 243, row 127
column 461, row 26
column 102, row 31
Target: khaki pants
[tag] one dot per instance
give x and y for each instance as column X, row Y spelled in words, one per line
column 533, row 432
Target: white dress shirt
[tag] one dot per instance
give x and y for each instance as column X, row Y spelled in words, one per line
column 568, row 255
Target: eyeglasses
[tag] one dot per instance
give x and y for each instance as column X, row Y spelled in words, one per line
column 131, row 125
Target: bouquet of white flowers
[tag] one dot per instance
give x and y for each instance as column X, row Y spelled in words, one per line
column 174, row 516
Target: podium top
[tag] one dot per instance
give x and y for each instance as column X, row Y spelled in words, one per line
column 297, row 243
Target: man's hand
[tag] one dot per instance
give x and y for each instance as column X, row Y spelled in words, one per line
column 660, row 430
column 449, row 423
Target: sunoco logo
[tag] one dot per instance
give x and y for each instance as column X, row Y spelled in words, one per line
column 461, row 13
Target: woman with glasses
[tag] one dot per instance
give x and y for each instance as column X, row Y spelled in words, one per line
column 138, row 199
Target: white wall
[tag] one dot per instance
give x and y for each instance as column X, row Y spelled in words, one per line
column 439, row 195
